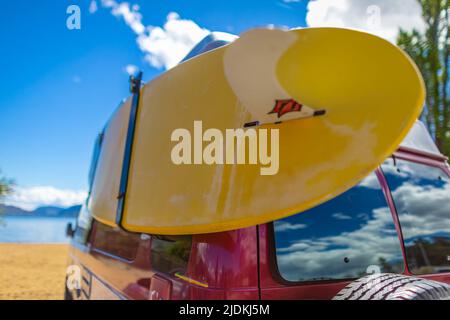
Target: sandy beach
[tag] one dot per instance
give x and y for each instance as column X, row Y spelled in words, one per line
column 32, row 271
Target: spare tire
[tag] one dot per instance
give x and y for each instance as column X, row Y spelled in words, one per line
column 387, row 286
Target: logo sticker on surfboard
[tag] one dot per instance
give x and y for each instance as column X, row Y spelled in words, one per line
column 250, row 68
column 286, row 106
column 283, row 107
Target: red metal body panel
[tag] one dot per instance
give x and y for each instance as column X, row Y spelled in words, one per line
column 226, row 262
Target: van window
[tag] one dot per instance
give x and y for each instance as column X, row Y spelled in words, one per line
column 422, row 198
column 116, row 242
column 170, row 254
column 84, row 224
column 345, row 238
column 84, row 220
column 94, row 161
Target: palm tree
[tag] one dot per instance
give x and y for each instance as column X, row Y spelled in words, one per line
column 430, row 51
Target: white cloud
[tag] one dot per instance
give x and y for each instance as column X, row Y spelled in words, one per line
column 93, row 6
column 164, row 46
column 423, row 209
column 382, row 17
column 286, row 226
column 130, row 15
column 30, row 198
column 341, row 216
column 370, row 182
column 131, row 69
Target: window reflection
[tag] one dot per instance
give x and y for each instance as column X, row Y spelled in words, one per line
column 116, row 242
column 84, row 224
column 422, row 197
column 345, row 238
column 170, row 254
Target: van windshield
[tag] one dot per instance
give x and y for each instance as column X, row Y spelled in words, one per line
column 422, row 198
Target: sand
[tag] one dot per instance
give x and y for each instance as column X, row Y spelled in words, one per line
column 32, row 271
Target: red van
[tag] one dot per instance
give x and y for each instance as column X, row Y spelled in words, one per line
column 397, row 220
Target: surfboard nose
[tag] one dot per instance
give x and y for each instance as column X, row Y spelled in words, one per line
column 320, row 69
column 341, row 69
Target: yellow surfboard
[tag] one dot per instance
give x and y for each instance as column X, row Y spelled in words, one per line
column 341, row 100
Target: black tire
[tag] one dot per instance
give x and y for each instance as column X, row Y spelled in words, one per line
column 394, row 287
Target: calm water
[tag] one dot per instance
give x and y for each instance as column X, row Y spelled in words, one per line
column 34, row 229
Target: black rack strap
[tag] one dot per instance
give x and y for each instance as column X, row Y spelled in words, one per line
column 135, row 89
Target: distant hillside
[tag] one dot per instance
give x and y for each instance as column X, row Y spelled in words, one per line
column 10, row 210
column 40, row 212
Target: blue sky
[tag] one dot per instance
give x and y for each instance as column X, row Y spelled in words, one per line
column 59, row 86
